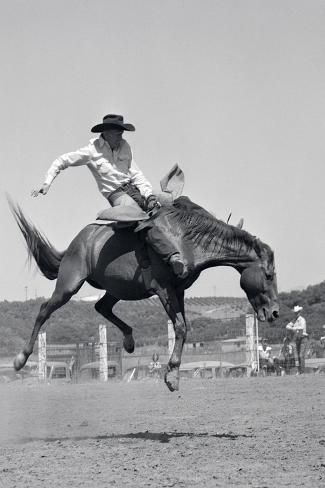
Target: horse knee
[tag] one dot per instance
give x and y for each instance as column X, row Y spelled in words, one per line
column 180, row 330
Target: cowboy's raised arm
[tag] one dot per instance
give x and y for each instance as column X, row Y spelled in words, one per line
column 76, row 158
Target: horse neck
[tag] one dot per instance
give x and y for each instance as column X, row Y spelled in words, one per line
column 237, row 249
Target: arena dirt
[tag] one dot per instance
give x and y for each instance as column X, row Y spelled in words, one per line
column 247, row 432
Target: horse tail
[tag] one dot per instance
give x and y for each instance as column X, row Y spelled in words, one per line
column 47, row 258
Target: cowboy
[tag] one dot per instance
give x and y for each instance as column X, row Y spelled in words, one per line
column 109, row 158
column 298, row 327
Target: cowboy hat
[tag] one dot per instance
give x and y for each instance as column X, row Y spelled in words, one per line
column 113, row 121
column 297, row 308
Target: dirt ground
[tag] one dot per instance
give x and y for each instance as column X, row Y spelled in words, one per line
column 254, row 432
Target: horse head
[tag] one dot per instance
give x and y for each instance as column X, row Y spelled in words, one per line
column 258, row 280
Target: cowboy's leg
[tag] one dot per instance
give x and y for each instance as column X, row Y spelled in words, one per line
column 287, row 364
column 298, row 347
column 160, row 240
column 294, row 351
column 156, row 236
column 303, row 350
column 122, row 198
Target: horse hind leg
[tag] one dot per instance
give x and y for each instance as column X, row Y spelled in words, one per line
column 104, row 306
column 70, row 280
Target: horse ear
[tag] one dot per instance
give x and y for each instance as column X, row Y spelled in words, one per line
column 240, row 224
column 269, row 264
column 266, row 254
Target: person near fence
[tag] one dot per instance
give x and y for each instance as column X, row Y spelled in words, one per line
column 155, row 366
column 286, row 360
column 110, row 160
column 298, row 326
column 72, row 367
column 265, row 358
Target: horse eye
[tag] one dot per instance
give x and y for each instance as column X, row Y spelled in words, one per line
column 269, row 276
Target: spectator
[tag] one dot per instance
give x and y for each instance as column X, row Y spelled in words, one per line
column 288, row 353
column 264, row 352
column 155, row 366
column 298, row 327
column 72, row 364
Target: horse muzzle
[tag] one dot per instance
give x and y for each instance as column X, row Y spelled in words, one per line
column 270, row 316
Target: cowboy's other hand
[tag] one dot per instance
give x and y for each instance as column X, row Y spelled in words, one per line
column 43, row 190
column 152, row 202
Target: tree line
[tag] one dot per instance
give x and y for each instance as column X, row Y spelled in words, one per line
column 78, row 321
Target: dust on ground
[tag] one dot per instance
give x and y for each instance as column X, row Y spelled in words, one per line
column 246, row 432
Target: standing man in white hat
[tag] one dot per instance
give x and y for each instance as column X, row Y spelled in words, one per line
column 298, row 327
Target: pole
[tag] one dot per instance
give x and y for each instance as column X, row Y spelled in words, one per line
column 77, row 365
column 103, row 365
column 257, row 341
column 42, row 356
column 171, row 337
column 250, row 356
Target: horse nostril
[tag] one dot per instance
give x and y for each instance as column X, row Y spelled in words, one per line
column 275, row 314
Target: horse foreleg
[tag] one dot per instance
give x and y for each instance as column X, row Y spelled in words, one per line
column 70, row 279
column 104, row 306
column 174, row 306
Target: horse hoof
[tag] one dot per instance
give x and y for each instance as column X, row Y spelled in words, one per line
column 20, row 361
column 172, row 380
column 128, row 343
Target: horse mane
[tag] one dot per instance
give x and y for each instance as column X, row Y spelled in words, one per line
column 204, row 229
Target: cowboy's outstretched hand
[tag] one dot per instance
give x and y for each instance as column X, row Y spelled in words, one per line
column 43, row 190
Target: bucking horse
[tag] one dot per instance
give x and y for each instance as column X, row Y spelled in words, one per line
column 118, row 259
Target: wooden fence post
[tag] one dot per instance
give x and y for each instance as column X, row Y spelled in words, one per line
column 171, row 337
column 103, row 365
column 250, row 346
column 42, row 356
column 256, row 342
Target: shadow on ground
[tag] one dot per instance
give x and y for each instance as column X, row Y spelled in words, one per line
column 163, row 437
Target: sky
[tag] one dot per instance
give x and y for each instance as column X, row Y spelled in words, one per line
column 233, row 91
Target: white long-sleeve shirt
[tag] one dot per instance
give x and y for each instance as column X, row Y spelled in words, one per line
column 298, row 326
column 110, row 168
column 264, row 353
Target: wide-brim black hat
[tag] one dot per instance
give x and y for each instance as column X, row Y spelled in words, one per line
column 113, row 121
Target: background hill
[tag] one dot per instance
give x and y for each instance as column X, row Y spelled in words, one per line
column 210, row 318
